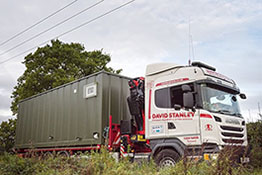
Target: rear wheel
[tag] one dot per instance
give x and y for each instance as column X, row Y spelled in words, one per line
column 167, row 157
column 48, row 155
column 63, row 154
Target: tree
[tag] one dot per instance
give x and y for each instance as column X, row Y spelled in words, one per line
column 57, row 64
column 7, row 135
column 254, row 136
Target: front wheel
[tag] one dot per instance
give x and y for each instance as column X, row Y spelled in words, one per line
column 167, row 157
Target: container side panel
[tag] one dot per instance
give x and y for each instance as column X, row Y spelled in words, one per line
column 46, row 112
column 99, row 108
column 54, row 116
column 67, row 112
column 25, row 121
column 92, row 120
column 82, row 117
column 42, row 120
column 64, row 117
column 115, row 96
column 116, row 91
column 18, row 134
column 20, row 121
column 119, row 93
column 30, row 115
column 88, row 118
column 35, row 120
column 32, row 120
column 105, row 99
column 60, row 114
column 25, row 118
column 72, row 125
column 40, row 115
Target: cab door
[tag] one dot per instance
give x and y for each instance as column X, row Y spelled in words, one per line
column 158, row 112
column 182, row 123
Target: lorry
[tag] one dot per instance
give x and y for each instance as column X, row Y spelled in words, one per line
column 174, row 111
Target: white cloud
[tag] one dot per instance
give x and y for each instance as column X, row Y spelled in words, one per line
column 5, row 112
column 5, row 115
column 227, row 35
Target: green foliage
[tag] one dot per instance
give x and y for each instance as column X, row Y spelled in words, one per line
column 11, row 164
column 103, row 164
column 223, row 165
column 57, row 64
column 254, row 133
column 7, row 135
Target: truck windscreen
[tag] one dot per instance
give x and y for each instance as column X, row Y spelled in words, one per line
column 220, row 100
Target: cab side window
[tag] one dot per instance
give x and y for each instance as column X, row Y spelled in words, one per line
column 162, row 99
column 168, row 97
column 176, row 96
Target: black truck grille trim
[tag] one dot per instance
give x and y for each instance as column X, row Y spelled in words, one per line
column 228, row 134
column 233, row 141
column 230, row 128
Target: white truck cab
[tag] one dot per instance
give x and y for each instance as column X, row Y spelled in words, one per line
column 188, row 107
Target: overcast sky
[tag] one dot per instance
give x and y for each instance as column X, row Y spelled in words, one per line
column 226, row 34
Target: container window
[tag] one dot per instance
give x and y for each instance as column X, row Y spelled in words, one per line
column 90, row 90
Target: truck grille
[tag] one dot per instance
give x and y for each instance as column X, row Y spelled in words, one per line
column 233, row 141
column 230, row 128
column 228, row 134
column 232, row 134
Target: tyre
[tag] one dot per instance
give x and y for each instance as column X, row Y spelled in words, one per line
column 48, row 155
column 63, row 154
column 167, row 157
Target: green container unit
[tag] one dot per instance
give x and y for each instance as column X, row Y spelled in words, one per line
column 69, row 115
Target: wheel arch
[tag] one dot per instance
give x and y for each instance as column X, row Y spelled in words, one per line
column 173, row 144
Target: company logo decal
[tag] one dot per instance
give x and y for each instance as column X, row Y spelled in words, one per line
column 157, row 129
column 217, row 75
column 191, row 139
column 208, row 127
column 172, row 81
column 174, row 115
column 233, row 121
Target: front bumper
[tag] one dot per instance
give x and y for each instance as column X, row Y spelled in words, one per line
column 238, row 154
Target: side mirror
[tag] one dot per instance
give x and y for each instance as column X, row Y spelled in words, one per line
column 243, row 96
column 186, row 88
column 187, row 96
column 188, row 100
column 234, row 99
